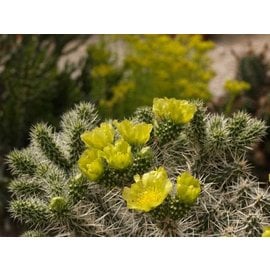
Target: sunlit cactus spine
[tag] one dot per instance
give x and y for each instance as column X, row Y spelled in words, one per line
column 172, row 170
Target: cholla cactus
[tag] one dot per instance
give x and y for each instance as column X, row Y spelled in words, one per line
column 171, row 170
column 250, row 92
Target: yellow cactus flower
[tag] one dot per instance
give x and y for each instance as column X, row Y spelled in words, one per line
column 90, row 163
column 136, row 134
column 236, row 87
column 99, row 137
column 179, row 111
column 119, row 155
column 188, row 188
column 266, row 231
column 149, row 191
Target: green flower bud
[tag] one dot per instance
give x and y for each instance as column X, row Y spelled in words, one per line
column 188, row 188
column 58, row 204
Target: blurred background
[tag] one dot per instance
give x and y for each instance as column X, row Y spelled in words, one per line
column 42, row 76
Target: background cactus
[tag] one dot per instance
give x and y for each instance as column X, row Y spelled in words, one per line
column 51, row 196
column 32, row 89
column 252, row 69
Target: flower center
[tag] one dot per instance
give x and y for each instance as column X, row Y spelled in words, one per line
column 148, row 197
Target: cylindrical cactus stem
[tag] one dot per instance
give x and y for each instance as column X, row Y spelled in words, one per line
column 142, row 161
column 30, row 211
column 166, row 131
column 252, row 69
column 75, row 144
column 144, row 114
column 22, row 163
column 197, row 129
column 74, row 123
column 171, row 208
column 43, row 137
column 78, row 188
column 24, row 188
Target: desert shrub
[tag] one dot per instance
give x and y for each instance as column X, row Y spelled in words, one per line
column 32, row 89
column 147, row 66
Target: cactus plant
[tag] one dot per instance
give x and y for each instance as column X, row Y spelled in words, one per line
column 32, row 89
column 169, row 170
column 250, row 92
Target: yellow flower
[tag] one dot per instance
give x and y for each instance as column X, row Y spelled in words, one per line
column 149, row 191
column 188, row 188
column 266, row 231
column 179, row 111
column 134, row 133
column 90, row 163
column 118, row 155
column 236, row 87
column 101, row 70
column 99, row 137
